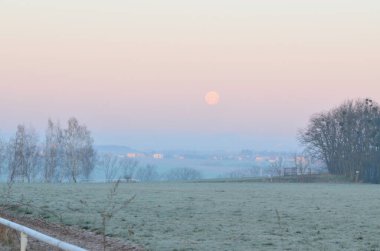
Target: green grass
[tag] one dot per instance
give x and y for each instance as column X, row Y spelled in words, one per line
column 221, row 216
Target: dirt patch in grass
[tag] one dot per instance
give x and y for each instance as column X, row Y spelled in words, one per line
column 82, row 238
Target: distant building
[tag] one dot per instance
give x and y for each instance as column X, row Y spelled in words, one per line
column 259, row 159
column 158, row 156
column 301, row 160
column 271, row 161
column 131, row 155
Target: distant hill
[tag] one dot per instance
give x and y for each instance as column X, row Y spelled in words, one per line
column 114, row 149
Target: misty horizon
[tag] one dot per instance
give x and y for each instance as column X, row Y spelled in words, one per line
column 188, row 142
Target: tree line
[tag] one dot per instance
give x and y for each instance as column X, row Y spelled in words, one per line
column 66, row 155
column 121, row 167
column 347, row 139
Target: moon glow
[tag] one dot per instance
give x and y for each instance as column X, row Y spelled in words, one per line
column 212, row 98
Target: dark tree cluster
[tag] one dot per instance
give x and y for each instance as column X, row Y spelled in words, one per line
column 183, row 174
column 66, row 154
column 347, row 139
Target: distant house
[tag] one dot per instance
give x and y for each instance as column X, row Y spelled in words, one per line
column 131, row 155
column 158, row 156
column 259, row 159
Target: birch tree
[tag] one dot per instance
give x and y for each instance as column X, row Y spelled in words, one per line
column 54, row 153
column 23, row 154
column 79, row 151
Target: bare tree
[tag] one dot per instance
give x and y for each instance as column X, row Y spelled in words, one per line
column 32, row 154
column 110, row 164
column 277, row 166
column 23, row 155
column 129, row 167
column 54, row 153
column 301, row 163
column 147, row 173
column 184, row 173
column 347, row 139
column 79, row 153
column 112, row 205
column 88, row 154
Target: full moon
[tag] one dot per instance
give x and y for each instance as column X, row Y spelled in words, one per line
column 212, row 98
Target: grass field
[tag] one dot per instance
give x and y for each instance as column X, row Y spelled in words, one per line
column 220, row 216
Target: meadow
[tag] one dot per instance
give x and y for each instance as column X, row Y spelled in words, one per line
column 217, row 216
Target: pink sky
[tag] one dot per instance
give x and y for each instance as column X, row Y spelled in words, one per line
column 125, row 67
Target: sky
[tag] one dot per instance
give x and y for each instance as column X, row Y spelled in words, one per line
column 136, row 72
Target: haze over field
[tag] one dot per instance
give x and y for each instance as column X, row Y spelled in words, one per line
column 137, row 72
